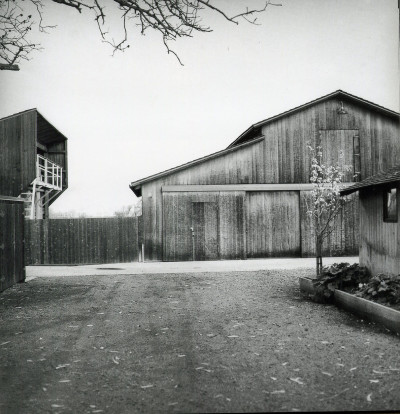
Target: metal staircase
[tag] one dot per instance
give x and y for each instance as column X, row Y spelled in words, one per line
column 43, row 189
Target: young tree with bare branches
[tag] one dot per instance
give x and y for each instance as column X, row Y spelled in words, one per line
column 172, row 19
column 325, row 202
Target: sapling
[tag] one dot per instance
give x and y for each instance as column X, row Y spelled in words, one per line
column 325, row 203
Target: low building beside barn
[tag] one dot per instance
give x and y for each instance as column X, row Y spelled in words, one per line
column 250, row 200
column 379, row 221
column 33, row 161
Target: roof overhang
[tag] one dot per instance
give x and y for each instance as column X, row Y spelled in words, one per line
column 47, row 133
column 385, row 178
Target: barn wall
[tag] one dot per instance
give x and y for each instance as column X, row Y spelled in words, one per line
column 287, row 158
column 282, row 157
column 380, row 241
column 344, row 239
column 17, row 153
column 240, row 166
column 204, row 225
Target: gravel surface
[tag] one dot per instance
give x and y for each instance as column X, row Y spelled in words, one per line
column 199, row 342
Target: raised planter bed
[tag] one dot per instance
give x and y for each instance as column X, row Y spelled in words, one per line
column 388, row 317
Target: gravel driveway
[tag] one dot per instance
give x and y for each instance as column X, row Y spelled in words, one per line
column 198, row 342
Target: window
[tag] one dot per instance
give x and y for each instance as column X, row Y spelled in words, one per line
column 390, row 205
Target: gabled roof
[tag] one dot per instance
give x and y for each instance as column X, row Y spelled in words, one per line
column 254, row 130
column 135, row 186
column 47, row 133
column 253, row 133
column 392, row 175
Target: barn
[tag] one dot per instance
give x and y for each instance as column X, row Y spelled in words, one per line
column 379, row 221
column 249, row 200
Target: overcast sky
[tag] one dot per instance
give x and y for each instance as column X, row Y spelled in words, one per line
column 140, row 112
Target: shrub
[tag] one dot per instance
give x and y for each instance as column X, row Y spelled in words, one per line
column 381, row 288
column 341, row 276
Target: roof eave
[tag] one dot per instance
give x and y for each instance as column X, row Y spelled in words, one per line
column 355, row 188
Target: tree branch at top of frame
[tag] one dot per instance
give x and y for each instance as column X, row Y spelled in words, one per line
column 172, row 19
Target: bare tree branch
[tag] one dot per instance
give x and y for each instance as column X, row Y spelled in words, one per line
column 172, row 19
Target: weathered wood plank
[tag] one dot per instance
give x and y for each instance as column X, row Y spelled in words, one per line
column 82, row 241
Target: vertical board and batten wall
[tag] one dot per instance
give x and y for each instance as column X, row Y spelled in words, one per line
column 369, row 139
column 380, row 241
column 273, row 224
column 17, row 153
column 83, row 241
column 240, row 165
column 204, row 226
column 12, row 268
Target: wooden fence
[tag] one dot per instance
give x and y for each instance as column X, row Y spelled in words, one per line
column 12, row 269
column 83, row 241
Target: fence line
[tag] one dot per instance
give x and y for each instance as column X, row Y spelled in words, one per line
column 83, row 240
column 12, row 268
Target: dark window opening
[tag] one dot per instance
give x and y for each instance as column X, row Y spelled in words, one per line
column 390, row 205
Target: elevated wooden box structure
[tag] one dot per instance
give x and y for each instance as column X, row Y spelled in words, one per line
column 33, row 161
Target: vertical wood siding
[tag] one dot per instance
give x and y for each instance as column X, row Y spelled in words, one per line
column 17, row 153
column 273, row 224
column 82, row 241
column 217, row 220
column 380, row 241
column 287, row 159
column 343, row 241
column 371, row 144
column 12, row 269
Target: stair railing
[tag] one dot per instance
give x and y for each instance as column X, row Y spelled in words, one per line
column 48, row 172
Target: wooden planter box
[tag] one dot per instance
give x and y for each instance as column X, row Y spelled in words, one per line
column 388, row 317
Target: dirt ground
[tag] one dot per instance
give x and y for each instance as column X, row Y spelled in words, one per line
column 189, row 342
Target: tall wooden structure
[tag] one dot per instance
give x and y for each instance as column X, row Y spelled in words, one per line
column 33, row 161
column 249, row 200
column 379, row 221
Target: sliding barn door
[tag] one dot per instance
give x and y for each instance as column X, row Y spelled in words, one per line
column 273, row 224
column 204, row 225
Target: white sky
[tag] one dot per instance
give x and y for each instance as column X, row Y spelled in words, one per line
column 140, row 112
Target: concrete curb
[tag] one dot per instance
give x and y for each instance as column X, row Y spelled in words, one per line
column 388, row 317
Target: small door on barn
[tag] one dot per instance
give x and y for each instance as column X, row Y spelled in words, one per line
column 273, row 224
column 205, row 229
column 345, row 141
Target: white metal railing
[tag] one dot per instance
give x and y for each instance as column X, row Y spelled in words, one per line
column 48, row 172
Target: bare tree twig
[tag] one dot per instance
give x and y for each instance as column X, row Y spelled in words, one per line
column 172, row 19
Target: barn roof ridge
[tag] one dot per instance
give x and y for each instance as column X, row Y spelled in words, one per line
column 253, row 128
column 338, row 92
column 391, row 175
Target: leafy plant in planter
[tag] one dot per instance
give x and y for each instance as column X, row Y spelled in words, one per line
column 381, row 288
column 342, row 276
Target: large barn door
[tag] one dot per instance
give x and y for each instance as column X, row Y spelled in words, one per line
column 273, row 224
column 204, row 225
column 341, row 140
column 205, row 230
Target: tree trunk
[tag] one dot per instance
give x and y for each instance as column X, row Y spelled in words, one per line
column 318, row 249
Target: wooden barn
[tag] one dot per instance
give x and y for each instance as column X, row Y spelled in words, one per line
column 33, row 161
column 249, row 200
column 379, row 221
